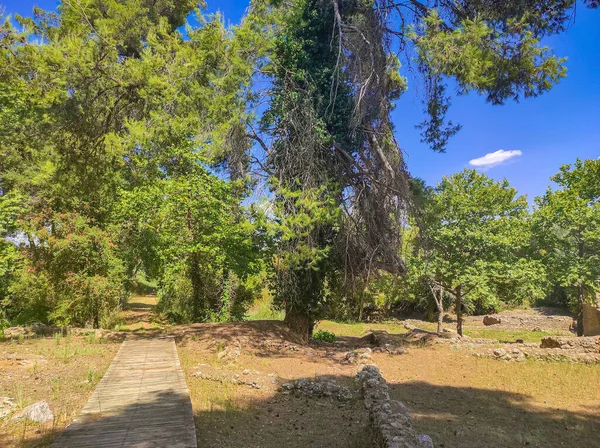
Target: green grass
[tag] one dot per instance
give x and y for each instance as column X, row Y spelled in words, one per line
column 510, row 335
column 262, row 309
column 359, row 329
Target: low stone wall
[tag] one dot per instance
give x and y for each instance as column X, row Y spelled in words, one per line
column 582, row 344
column 391, row 421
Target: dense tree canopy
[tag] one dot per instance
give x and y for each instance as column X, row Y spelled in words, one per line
column 134, row 133
column 476, row 234
column 567, row 227
column 335, row 70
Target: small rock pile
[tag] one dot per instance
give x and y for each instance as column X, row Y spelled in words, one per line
column 510, row 355
column 391, row 421
column 253, row 379
column 317, row 389
column 385, row 342
column 231, row 352
column 33, row 329
column 358, row 356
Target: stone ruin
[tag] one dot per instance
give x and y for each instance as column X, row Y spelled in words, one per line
column 591, row 319
column 581, row 344
column 317, row 389
column 391, row 422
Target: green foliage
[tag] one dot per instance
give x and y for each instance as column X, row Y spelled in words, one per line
column 477, row 234
column 112, row 119
column 9, row 256
column 126, row 144
column 567, row 230
column 324, row 336
column 201, row 244
column 72, row 276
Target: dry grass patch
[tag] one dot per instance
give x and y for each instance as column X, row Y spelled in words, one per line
column 236, row 415
column 61, row 370
column 465, row 401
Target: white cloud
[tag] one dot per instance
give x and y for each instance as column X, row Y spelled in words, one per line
column 494, row 158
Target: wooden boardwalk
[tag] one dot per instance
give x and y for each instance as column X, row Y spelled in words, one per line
column 142, row 401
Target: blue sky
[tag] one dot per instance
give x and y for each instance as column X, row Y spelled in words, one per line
column 548, row 131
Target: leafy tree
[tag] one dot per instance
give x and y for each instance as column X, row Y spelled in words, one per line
column 475, row 232
column 567, row 229
column 104, row 98
column 72, row 275
column 199, row 244
column 9, row 210
column 335, row 77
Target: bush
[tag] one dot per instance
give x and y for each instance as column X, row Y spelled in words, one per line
column 72, row 276
column 324, row 336
column 223, row 296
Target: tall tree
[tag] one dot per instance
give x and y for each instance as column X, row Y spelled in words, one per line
column 103, row 97
column 335, row 72
column 567, row 229
column 475, row 231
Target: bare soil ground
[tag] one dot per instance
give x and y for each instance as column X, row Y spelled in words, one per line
column 250, row 411
column 61, row 370
column 235, row 373
column 139, row 314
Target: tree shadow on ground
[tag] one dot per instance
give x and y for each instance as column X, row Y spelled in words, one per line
column 454, row 417
column 276, row 421
column 465, row 417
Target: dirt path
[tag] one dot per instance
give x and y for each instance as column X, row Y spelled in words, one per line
column 140, row 313
column 143, row 400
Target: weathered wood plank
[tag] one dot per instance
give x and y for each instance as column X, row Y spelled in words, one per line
column 141, row 402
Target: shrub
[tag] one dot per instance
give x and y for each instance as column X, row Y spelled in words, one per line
column 72, row 276
column 324, row 336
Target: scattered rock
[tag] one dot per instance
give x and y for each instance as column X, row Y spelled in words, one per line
column 231, row 352
column 418, row 336
column 409, row 326
column 425, row 441
column 7, row 406
column 391, row 421
column 491, row 320
column 360, row 355
column 39, row 412
column 499, row 352
column 393, row 350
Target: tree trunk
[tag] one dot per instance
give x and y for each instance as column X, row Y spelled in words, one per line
column 458, row 306
column 438, row 297
column 195, row 277
column 300, row 323
column 580, row 299
column 440, row 320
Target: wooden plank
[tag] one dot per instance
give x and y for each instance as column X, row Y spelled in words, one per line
column 141, row 402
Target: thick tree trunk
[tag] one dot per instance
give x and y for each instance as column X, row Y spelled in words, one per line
column 300, row 323
column 580, row 299
column 458, row 306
